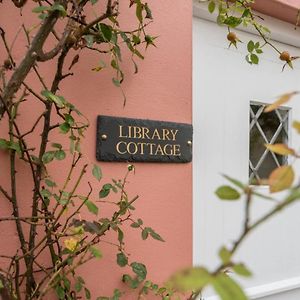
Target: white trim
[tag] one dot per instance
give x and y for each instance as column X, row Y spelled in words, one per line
column 285, row 33
column 269, row 289
column 281, row 31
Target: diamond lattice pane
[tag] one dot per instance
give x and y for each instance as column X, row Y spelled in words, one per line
column 266, row 128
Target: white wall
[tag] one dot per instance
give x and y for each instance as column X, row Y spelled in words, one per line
column 224, row 85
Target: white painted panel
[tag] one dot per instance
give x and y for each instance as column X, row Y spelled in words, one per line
column 224, row 85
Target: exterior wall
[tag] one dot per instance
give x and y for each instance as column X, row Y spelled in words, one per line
column 221, row 146
column 286, row 10
column 160, row 91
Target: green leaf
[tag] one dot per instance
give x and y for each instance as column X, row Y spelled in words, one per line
column 94, row 2
column 14, row 146
column 105, row 190
column 50, row 183
column 40, row 9
column 155, row 235
column 250, row 46
column 114, row 64
column 265, row 29
column 106, row 31
column 120, row 235
column 211, row 6
column 139, row 10
column 69, row 119
column 60, row 292
column 134, row 225
column 67, row 283
column 190, row 279
column 46, row 194
column 64, row 128
column 117, row 294
column 122, row 259
column 139, row 269
column 97, row 173
column 59, row 101
column 43, row 16
column 226, row 192
column 95, row 252
column 225, row 255
column 78, row 286
column 242, row 270
column 4, row 144
column 60, row 155
column 56, row 145
column 103, row 193
column 59, row 8
column 248, row 59
column 48, row 157
column 254, row 58
column 116, row 82
column 133, row 283
column 145, row 234
column 87, row 293
column 290, row 64
column 232, row 21
column 259, row 51
column 138, row 54
column 92, row 207
column 227, row 289
column 89, row 40
column 246, row 13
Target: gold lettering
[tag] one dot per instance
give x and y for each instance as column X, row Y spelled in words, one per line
column 134, row 146
column 137, row 132
column 145, row 132
column 121, row 132
column 176, row 150
column 174, row 132
column 166, row 133
column 155, row 134
column 170, row 151
column 129, row 132
column 151, row 147
column 142, row 147
column 159, row 149
column 118, row 147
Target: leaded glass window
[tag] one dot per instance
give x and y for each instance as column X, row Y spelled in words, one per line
column 266, row 128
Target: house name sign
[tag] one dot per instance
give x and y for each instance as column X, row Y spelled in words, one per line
column 136, row 140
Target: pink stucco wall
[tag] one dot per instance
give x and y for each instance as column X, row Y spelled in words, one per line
column 160, row 91
column 286, row 10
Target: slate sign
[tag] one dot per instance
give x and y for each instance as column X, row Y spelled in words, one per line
column 135, row 140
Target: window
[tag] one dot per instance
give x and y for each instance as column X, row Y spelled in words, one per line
column 266, row 128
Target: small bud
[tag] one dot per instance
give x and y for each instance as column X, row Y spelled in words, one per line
column 285, row 56
column 7, row 64
column 231, row 36
column 130, row 168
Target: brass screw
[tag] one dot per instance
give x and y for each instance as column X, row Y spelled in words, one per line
column 189, row 143
column 104, row 137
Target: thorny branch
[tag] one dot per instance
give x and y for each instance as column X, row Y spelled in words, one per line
column 16, row 83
